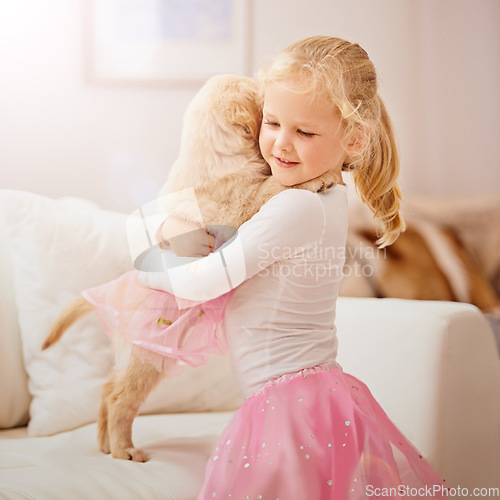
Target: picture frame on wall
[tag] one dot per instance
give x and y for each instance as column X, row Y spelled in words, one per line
column 167, row 41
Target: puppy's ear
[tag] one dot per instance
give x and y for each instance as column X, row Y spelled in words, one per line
column 245, row 112
column 253, row 123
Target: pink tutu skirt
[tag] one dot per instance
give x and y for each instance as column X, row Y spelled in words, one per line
column 315, row 435
column 152, row 321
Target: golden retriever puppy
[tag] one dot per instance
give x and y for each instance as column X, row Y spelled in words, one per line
column 220, row 159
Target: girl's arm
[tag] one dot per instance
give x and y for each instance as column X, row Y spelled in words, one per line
column 289, row 222
column 185, row 238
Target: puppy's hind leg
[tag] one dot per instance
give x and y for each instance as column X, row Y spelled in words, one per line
column 102, row 419
column 127, row 394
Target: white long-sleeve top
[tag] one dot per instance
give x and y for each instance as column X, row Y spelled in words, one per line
column 286, row 265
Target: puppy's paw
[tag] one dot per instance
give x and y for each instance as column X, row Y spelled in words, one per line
column 321, row 183
column 104, row 445
column 134, row 454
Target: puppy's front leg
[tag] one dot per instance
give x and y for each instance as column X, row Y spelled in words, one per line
column 129, row 391
column 321, row 183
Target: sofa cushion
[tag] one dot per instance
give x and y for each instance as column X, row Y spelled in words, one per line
column 13, row 378
column 59, row 248
column 69, row 465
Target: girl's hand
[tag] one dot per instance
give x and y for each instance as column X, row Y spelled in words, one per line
column 185, row 238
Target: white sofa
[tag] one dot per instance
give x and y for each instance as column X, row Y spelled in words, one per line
column 433, row 366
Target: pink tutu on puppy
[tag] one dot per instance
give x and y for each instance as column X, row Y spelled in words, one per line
column 152, row 320
column 317, row 434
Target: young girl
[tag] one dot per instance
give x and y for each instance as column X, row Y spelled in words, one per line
column 306, row 430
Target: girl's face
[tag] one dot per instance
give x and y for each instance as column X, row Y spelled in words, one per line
column 300, row 137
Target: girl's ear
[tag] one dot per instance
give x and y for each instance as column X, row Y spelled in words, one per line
column 359, row 138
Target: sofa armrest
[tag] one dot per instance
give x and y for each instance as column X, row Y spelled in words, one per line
column 434, row 368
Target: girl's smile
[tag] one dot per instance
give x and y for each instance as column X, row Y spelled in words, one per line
column 301, row 136
column 285, row 163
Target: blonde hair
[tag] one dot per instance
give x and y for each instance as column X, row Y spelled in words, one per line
column 343, row 73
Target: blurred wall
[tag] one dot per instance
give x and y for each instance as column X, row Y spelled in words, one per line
column 61, row 135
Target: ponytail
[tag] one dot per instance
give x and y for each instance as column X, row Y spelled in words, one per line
column 375, row 178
